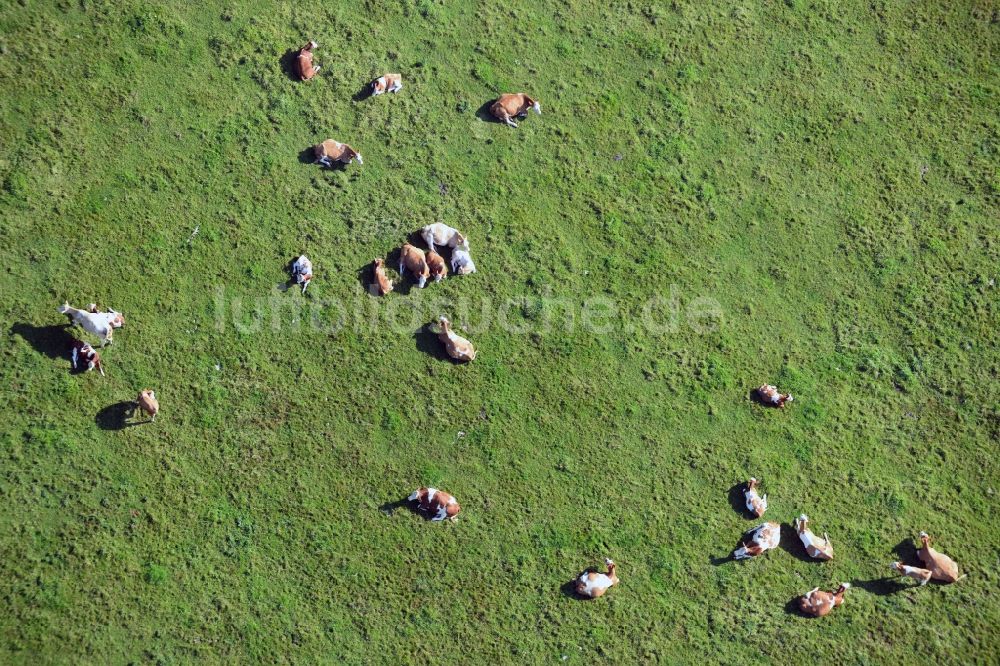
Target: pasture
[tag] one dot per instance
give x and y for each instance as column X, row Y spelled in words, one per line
column 716, row 195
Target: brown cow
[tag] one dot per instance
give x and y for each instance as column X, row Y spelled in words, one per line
column 437, row 266
column 511, row 105
column 148, row 403
column 413, row 259
column 382, row 283
column 387, row 83
column 331, row 151
column 942, row 567
column 435, row 503
column 817, row 603
column 304, row 61
column 593, row 584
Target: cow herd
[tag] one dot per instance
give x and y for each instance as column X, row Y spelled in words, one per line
column 430, row 265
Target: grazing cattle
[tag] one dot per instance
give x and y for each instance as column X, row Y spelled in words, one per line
column 458, row 347
column 916, row 573
column 819, row 549
column 441, row 234
column 461, row 261
column 769, row 395
column 412, row 258
column 304, row 61
column 387, row 83
column 816, row 603
column 438, row 269
column 147, row 402
column 435, row 503
column 942, row 567
column 511, row 105
column 302, row 271
column 84, row 357
column 592, row 584
column 382, row 283
column 331, row 151
column 760, row 539
column 101, row 324
column 756, row 504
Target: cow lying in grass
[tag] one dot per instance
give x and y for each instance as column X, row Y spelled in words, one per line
column 84, row 357
column 759, row 540
column 513, row 105
column 756, row 504
column 382, row 283
column 302, row 271
column 435, row 503
column 942, row 567
column 304, row 61
column 819, row 549
column 817, row 603
column 593, row 584
column 331, row 151
column 457, row 347
column 387, row 83
column 769, row 395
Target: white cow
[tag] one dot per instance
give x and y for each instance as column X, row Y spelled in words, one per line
column 101, row 324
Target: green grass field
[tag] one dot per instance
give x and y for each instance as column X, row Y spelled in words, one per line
column 717, row 195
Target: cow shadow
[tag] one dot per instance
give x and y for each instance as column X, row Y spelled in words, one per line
column 427, row 342
column 737, row 500
column 906, row 551
column 484, row 113
column 289, row 65
column 116, row 416
column 390, row 508
column 719, row 561
column 307, row 156
column 882, row 586
column 792, row 544
column 54, row 341
column 363, row 94
column 568, row 589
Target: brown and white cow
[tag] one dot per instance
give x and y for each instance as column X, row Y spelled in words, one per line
column 440, row 234
column 916, row 573
column 101, row 324
column 769, row 395
column 413, row 259
column 147, row 402
column 513, row 105
column 592, row 584
column 942, row 567
column 387, row 83
column 817, row 603
column 819, row 549
column 382, row 283
column 437, row 266
column 756, row 504
column 457, row 347
column 84, row 357
column 304, row 61
column 331, row 151
column 435, row 503
column 759, row 540
column 302, row 271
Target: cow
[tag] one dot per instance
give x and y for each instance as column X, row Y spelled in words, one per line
column 759, row 540
column 413, row 259
column 438, row 268
column 84, row 357
column 331, row 151
column 756, row 504
column 817, row 603
column 457, row 347
column 916, row 573
column 441, row 234
column 461, row 261
column 593, row 584
column 435, row 503
column 769, row 395
column 511, row 105
column 382, row 283
column 942, row 567
column 304, row 61
column 147, row 402
column 302, row 271
column 387, row 83
column 818, row 549
column 101, row 324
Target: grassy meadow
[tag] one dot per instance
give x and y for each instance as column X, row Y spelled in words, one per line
column 716, row 195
